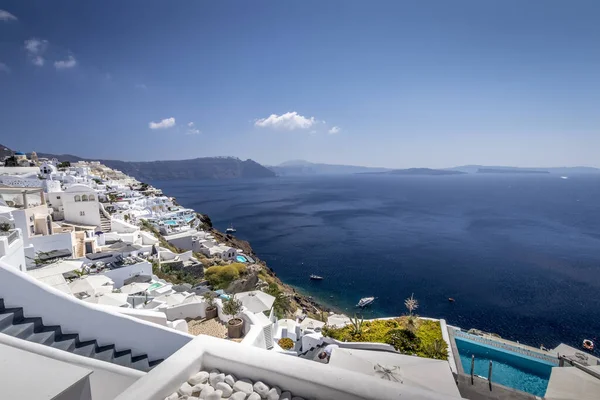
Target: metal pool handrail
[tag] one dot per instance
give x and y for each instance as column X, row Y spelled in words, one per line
column 514, row 349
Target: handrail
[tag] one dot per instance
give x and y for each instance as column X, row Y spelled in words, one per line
column 505, row 346
column 580, row 366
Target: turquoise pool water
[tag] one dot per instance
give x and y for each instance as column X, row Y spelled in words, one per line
column 514, row 370
column 241, row 259
column 170, row 222
column 188, row 219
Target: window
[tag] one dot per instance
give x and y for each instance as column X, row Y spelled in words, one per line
column 77, row 197
column 84, row 197
column 91, row 197
column 82, row 213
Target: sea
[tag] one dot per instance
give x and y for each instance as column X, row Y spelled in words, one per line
column 519, row 254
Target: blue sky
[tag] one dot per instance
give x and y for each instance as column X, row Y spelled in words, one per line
column 384, row 83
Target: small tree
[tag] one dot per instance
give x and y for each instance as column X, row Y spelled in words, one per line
column 5, row 227
column 210, row 298
column 411, row 304
column 232, row 307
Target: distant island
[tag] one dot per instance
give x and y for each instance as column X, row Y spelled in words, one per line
column 510, row 171
column 307, row 168
column 418, row 171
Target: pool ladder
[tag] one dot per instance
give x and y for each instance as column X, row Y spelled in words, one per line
column 489, row 377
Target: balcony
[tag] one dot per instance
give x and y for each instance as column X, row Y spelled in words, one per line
column 12, row 235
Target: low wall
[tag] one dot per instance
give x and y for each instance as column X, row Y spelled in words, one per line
column 304, row 378
column 361, row 345
column 107, row 380
column 89, row 320
column 189, row 310
column 119, row 275
column 155, row 317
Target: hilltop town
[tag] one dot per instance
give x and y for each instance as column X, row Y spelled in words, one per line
column 126, row 294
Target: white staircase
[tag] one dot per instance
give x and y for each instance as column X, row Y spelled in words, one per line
column 105, row 219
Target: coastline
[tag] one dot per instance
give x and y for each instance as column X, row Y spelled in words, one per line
column 298, row 299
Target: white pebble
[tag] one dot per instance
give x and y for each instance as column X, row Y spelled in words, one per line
column 216, row 395
column 214, row 370
column 172, row 396
column 243, row 385
column 200, row 377
column 261, row 389
column 185, row 389
column 216, row 378
column 225, row 388
column 206, row 391
column 196, row 389
column 253, row 396
column 230, row 380
column 274, row 393
column 238, row 396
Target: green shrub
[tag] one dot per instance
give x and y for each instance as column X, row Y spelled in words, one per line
column 232, row 307
column 403, row 340
column 220, row 277
column 286, row 343
column 424, row 332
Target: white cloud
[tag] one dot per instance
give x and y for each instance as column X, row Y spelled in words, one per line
column 334, row 130
column 141, row 86
column 70, row 62
column 164, row 124
column 4, row 68
column 288, row 121
column 38, row 60
column 36, row 48
column 192, row 130
column 6, row 16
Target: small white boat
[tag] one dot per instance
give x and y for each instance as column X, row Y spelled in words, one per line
column 365, row 301
column 564, row 177
column 316, row 277
column 231, row 229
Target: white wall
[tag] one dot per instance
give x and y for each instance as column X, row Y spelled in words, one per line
column 107, row 380
column 304, row 378
column 89, row 320
column 13, row 253
column 57, row 241
column 182, row 311
column 73, row 209
column 119, row 275
column 120, row 226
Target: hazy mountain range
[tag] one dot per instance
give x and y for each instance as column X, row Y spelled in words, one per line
column 232, row 167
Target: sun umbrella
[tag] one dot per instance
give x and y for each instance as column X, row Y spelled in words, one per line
column 90, row 284
column 109, row 299
column 193, row 299
column 309, row 323
column 256, row 301
column 135, row 287
column 171, row 299
column 338, row 320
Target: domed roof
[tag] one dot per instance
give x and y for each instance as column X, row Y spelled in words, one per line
column 18, row 153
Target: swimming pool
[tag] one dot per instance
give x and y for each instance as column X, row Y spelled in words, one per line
column 170, row 222
column 241, row 259
column 519, row 371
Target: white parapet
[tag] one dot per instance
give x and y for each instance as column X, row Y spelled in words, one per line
column 308, row 379
column 90, row 321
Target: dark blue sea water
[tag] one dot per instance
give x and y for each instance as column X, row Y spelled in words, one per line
column 520, row 254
